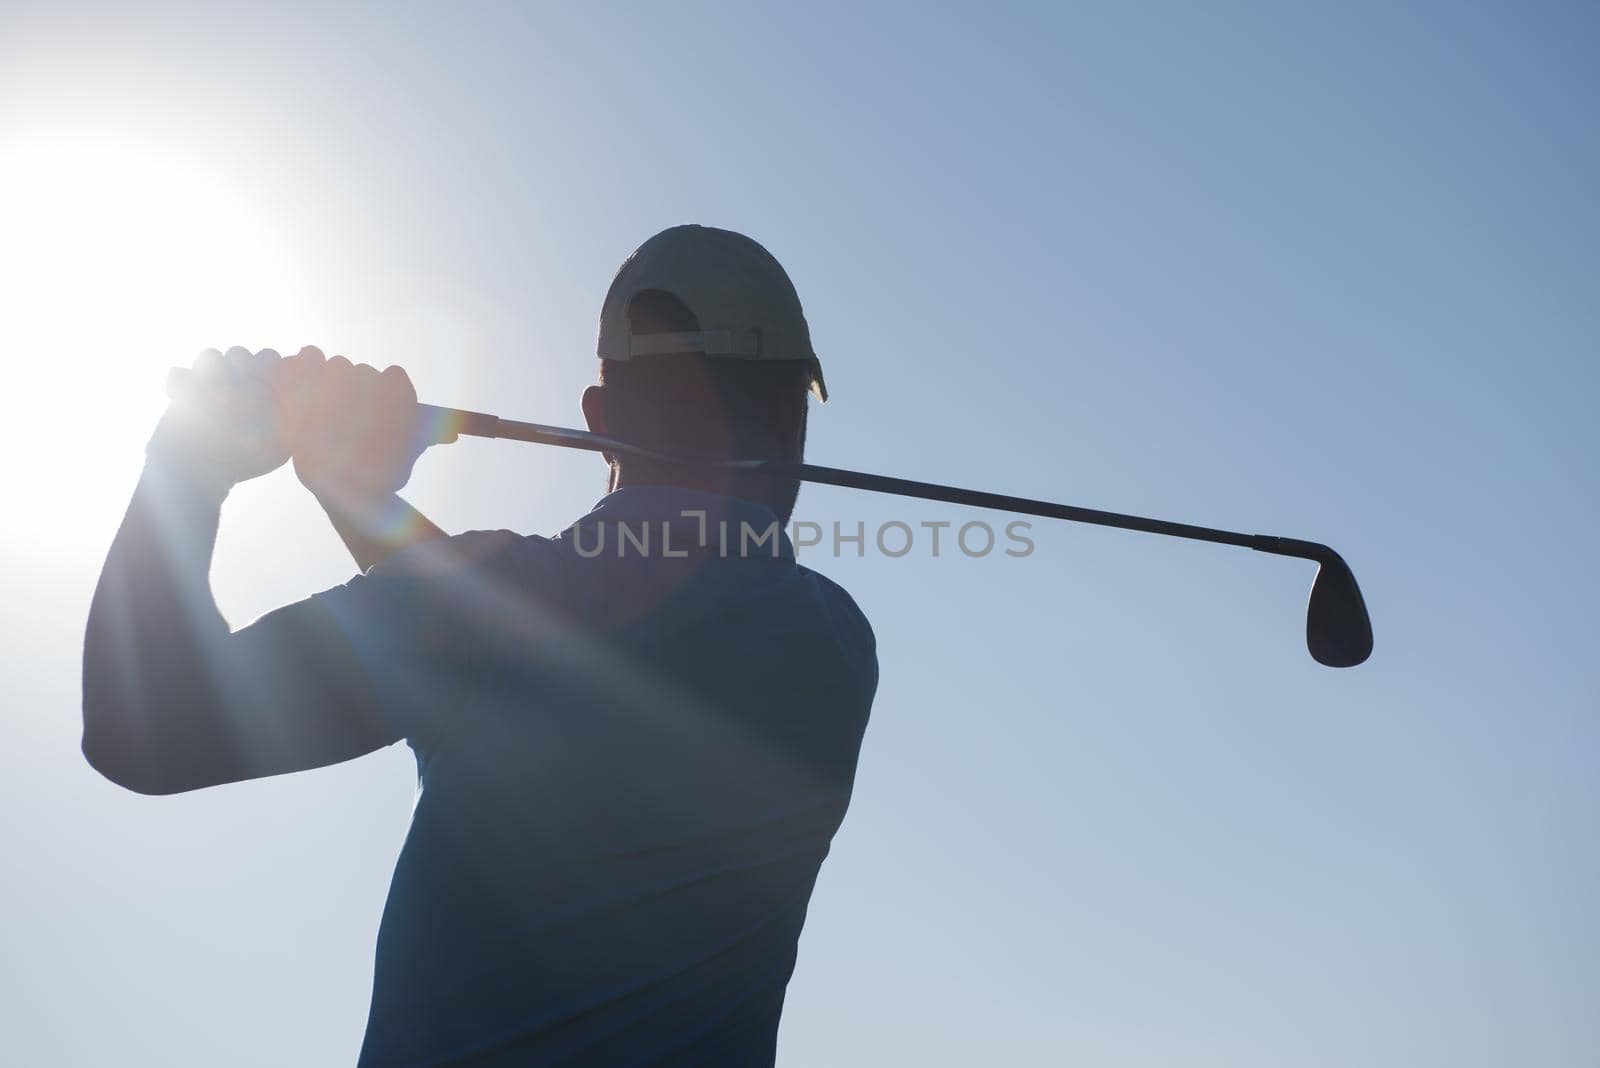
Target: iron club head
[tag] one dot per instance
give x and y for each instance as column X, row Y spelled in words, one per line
column 1338, row 631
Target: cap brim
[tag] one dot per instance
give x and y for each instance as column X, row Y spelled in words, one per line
column 819, row 387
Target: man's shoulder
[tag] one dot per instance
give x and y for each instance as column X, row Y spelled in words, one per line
column 837, row 598
column 848, row 622
column 439, row 582
column 442, row 557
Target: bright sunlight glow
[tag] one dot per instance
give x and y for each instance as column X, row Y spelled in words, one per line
column 116, row 261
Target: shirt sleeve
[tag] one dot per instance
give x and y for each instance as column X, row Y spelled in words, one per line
column 407, row 624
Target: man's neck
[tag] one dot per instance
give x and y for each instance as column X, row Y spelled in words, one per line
column 707, row 480
column 723, row 482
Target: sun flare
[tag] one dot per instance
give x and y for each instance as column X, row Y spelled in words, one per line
column 117, row 261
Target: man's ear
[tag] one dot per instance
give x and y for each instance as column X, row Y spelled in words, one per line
column 594, row 414
column 594, row 409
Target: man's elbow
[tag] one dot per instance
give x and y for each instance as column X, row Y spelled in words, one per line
column 115, row 763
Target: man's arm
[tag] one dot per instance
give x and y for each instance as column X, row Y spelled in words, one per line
column 355, row 440
column 172, row 699
column 375, row 530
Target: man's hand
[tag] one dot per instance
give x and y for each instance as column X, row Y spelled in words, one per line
column 353, row 432
column 224, row 423
column 355, row 436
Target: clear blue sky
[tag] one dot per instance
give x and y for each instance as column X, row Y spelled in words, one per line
column 1323, row 272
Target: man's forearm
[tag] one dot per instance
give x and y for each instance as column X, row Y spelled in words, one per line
column 375, row 530
column 153, row 625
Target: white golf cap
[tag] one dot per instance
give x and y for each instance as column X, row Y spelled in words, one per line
column 746, row 306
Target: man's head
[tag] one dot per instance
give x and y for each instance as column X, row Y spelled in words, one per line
column 704, row 351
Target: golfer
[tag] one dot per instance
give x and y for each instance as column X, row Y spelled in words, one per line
column 634, row 740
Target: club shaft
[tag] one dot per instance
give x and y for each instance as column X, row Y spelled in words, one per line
column 479, row 424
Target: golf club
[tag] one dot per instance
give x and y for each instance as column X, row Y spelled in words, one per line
column 1338, row 631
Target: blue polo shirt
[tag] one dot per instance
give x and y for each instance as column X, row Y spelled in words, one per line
column 634, row 743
